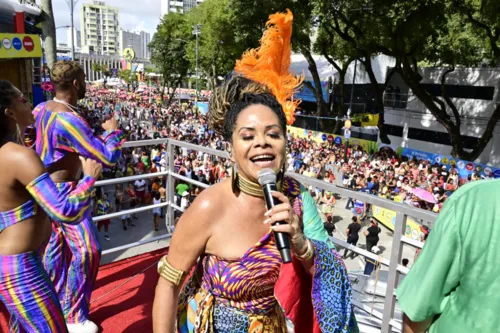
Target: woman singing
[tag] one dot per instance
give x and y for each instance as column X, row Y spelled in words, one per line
column 239, row 283
column 25, row 186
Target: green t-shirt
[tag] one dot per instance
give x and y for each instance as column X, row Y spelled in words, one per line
column 181, row 188
column 457, row 275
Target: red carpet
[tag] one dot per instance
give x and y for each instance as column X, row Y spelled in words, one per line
column 126, row 309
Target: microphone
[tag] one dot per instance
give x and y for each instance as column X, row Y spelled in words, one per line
column 267, row 179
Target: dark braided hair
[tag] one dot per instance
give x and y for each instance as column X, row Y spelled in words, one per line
column 229, row 100
column 7, row 94
column 247, row 100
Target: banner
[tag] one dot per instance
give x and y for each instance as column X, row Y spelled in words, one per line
column 464, row 168
column 388, row 218
column 320, row 137
column 20, row 46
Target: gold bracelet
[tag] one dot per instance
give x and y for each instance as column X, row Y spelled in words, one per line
column 169, row 273
column 309, row 254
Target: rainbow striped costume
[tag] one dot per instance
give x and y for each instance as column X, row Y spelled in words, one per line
column 56, row 135
column 257, row 294
column 25, row 287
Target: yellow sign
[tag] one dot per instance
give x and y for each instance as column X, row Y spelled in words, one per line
column 129, row 54
column 388, row 218
column 20, row 46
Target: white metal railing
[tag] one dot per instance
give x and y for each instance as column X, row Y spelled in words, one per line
column 402, row 212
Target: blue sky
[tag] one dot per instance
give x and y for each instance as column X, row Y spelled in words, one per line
column 134, row 15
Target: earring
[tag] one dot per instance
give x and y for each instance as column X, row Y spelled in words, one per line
column 282, row 175
column 20, row 136
column 234, row 178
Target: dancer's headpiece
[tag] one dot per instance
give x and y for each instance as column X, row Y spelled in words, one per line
column 262, row 70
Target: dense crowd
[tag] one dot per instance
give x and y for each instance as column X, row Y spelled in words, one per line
column 381, row 173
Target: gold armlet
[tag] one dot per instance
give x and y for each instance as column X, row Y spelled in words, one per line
column 309, row 254
column 169, row 273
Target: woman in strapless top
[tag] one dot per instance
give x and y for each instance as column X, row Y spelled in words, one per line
column 28, row 197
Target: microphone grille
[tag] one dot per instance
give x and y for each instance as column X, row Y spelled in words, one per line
column 267, row 176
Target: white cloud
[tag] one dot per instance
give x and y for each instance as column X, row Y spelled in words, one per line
column 135, row 15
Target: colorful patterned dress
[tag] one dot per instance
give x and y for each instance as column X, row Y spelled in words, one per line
column 257, row 294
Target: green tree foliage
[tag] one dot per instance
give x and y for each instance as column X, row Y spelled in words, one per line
column 168, row 51
column 416, row 33
column 128, row 76
column 217, row 47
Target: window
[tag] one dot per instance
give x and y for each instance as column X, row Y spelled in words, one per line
column 460, row 91
column 439, row 137
column 393, row 130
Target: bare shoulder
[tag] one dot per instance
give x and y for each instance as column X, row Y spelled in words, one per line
column 197, row 225
column 209, row 203
column 16, row 153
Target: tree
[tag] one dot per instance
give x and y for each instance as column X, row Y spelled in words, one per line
column 128, row 76
column 251, row 17
column 168, row 51
column 482, row 15
column 217, row 47
column 351, row 22
column 416, row 33
column 340, row 55
column 49, row 32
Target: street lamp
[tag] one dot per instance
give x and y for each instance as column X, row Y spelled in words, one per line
column 71, row 4
column 197, row 31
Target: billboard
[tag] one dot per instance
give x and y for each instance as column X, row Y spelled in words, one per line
column 20, row 46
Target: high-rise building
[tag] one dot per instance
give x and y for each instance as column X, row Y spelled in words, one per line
column 177, row 6
column 100, row 28
column 137, row 41
column 77, row 38
column 146, row 39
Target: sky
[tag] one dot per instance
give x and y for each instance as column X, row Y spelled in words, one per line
column 135, row 15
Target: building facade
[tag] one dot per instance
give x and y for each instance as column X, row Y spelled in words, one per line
column 100, row 28
column 145, row 40
column 138, row 41
column 177, row 6
column 77, row 38
column 111, row 62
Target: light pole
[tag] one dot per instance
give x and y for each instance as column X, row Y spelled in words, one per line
column 197, row 31
column 71, row 4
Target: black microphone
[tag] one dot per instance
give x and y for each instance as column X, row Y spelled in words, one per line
column 267, row 179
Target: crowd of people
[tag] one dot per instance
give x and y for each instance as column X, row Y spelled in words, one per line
column 382, row 173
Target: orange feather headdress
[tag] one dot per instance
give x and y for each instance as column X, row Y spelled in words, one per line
column 269, row 63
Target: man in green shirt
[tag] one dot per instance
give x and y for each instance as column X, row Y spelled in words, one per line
column 454, row 285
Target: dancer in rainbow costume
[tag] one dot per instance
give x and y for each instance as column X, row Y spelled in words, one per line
column 25, row 287
column 61, row 136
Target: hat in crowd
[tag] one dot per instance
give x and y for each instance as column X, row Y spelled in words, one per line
column 185, row 193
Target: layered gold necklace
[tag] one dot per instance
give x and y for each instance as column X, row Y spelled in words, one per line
column 251, row 188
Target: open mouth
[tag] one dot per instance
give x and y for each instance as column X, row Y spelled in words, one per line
column 263, row 160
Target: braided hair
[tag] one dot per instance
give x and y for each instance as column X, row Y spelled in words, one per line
column 7, row 94
column 228, row 101
column 64, row 72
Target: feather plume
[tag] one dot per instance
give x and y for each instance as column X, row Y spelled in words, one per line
column 269, row 64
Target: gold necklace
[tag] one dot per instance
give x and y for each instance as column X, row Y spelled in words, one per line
column 251, row 188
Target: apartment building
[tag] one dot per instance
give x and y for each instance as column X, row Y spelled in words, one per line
column 100, row 28
column 137, row 41
column 178, row 6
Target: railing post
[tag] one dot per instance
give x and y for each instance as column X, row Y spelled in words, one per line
column 392, row 280
column 169, row 217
